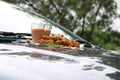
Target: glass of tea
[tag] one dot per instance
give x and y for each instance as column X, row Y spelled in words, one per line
column 37, row 30
column 47, row 29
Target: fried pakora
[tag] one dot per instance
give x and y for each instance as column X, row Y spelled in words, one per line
column 58, row 39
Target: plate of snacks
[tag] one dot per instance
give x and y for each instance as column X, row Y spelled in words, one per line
column 57, row 43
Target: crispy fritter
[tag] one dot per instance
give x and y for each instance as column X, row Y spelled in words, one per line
column 59, row 42
column 74, row 44
column 49, row 41
column 58, row 39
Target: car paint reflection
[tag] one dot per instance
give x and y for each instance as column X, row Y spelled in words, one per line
column 52, row 64
column 100, row 56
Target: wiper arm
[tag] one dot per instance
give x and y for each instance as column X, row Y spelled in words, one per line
column 86, row 43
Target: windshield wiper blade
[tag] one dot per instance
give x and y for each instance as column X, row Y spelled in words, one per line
column 10, row 36
column 7, row 33
column 14, row 35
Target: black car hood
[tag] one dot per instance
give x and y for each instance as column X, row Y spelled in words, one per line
column 27, row 63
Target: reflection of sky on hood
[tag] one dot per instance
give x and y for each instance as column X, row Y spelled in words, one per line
column 22, row 68
column 25, row 67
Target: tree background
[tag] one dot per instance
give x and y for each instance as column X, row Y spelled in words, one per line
column 90, row 19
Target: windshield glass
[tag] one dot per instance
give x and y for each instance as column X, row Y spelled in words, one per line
column 19, row 20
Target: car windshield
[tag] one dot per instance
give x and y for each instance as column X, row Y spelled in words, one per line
column 18, row 20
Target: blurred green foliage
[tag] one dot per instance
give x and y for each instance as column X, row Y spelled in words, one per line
column 105, row 39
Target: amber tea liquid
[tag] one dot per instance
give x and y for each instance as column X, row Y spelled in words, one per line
column 37, row 34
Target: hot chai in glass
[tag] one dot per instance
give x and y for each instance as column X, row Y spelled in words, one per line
column 39, row 30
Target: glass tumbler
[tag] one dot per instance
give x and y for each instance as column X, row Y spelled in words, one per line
column 47, row 29
column 37, row 31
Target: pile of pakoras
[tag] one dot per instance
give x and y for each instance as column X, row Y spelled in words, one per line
column 58, row 39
